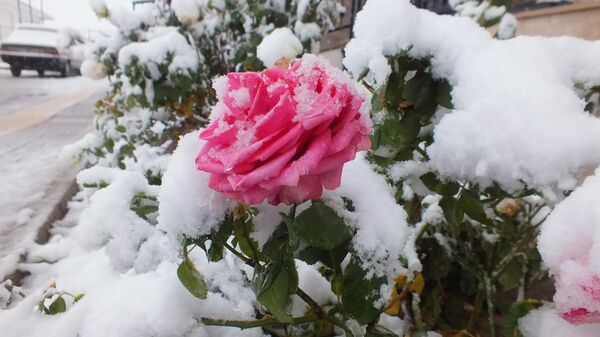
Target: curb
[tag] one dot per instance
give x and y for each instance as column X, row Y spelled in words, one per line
column 67, row 188
column 58, row 212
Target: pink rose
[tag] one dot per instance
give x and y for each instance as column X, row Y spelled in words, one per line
column 283, row 134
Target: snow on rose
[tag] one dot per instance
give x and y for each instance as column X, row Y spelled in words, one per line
column 283, row 134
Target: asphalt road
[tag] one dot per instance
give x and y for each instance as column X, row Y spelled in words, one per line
column 17, row 93
column 38, row 116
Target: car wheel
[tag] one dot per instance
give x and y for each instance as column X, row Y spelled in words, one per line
column 66, row 70
column 16, row 72
column 41, row 73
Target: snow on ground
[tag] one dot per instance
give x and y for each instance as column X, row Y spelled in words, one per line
column 34, row 173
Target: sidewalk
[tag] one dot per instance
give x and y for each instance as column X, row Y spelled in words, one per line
column 37, row 180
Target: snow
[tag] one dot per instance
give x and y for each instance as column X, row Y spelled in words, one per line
column 127, row 268
column 187, row 11
column 545, row 322
column 126, row 20
column 281, row 42
column 569, row 245
column 507, row 28
column 380, row 222
column 156, row 51
column 307, row 31
column 187, row 205
column 93, row 70
column 35, row 175
column 99, row 7
column 34, row 35
column 570, row 231
column 487, row 76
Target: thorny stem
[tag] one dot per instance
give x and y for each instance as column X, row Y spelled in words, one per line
column 312, row 303
column 421, row 152
column 521, row 291
column 263, row 322
column 244, row 258
column 490, row 305
column 479, row 298
column 321, row 313
column 416, row 300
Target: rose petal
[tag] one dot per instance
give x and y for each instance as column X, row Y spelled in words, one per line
column 303, row 165
column 308, row 188
column 253, row 196
column 288, row 139
column 332, row 179
column 344, row 137
column 267, row 171
column 280, row 116
column 580, row 316
column 233, row 156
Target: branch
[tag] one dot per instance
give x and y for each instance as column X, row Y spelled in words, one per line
column 240, row 255
column 321, row 313
column 266, row 321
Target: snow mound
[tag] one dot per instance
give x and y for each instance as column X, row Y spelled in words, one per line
column 187, row 206
column 281, row 42
column 517, row 118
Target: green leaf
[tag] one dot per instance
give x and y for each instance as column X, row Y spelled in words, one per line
column 320, row 226
column 247, row 244
column 191, row 279
column 219, row 238
column 425, row 103
column 399, row 133
column 110, row 144
column 453, row 211
column 143, row 211
column 57, row 306
column 410, row 126
column 510, row 278
column 393, row 91
column 442, row 94
column 435, row 260
column 331, row 258
column 517, row 311
column 274, row 285
column 121, row 129
column 126, row 149
column 432, row 182
column 413, row 87
column 472, row 206
column 359, row 293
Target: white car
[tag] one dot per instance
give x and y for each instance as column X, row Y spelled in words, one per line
column 42, row 48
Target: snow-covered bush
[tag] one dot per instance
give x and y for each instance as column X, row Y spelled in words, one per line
column 163, row 57
column 449, row 133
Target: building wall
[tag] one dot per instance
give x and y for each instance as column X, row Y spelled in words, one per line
column 9, row 14
column 579, row 19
